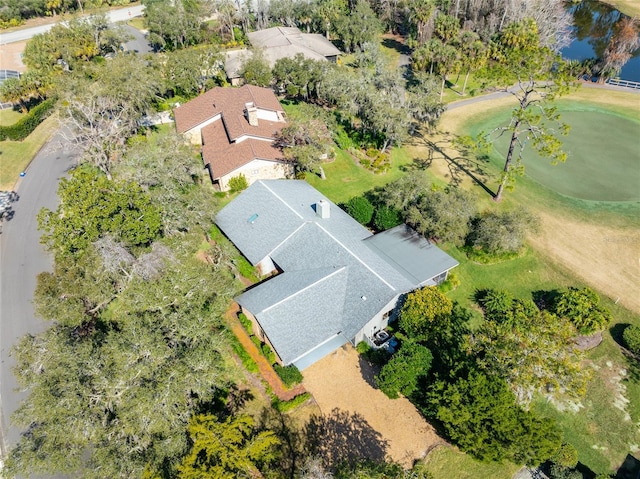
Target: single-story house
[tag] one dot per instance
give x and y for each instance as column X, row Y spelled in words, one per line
column 236, row 128
column 281, row 42
column 333, row 280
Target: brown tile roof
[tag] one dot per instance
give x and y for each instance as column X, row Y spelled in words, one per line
column 225, row 156
column 228, row 101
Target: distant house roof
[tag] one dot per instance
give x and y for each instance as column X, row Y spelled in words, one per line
column 234, row 61
column 231, row 141
column 281, row 42
column 331, row 283
column 286, row 36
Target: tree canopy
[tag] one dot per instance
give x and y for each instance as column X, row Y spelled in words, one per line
column 226, row 449
column 532, row 350
column 424, row 311
column 479, row 414
column 92, row 206
column 518, row 56
column 404, row 370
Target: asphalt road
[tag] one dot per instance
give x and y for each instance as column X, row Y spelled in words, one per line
column 120, row 15
column 22, row 258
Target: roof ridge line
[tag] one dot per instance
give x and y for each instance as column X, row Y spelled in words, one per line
column 287, row 238
column 303, row 289
column 283, row 201
column 355, row 256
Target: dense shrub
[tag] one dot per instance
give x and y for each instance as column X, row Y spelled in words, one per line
column 284, row 406
column 25, row 126
column 246, row 323
column 496, row 303
column 247, row 361
column 501, row 232
column 238, row 183
column 386, row 217
column 557, row 471
column 582, row 307
column 378, row 357
column 360, row 209
column 290, row 375
column 405, row 368
column 268, row 353
column 480, row 415
column 566, row 456
column 631, row 337
column 451, row 283
column 257, row 342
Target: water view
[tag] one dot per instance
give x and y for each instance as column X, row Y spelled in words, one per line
column 594, row 24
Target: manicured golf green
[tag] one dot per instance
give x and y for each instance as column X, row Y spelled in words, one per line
column 603, row 161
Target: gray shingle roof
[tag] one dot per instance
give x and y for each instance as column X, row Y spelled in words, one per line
column 296, row 324
column 336, row 277
column 286, row 42
column 411, row 254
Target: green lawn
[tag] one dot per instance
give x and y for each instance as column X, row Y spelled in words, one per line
column 137, row 23
column 446, row 462
column 9, row 117
column 529, row 191
column 602, row 148
column 15, row 156
column 345, row 179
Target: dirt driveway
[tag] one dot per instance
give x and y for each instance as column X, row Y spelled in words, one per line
column 359, row 420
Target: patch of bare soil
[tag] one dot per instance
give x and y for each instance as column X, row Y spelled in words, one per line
column 607, row 258
column 11, row 56
column 358, row 419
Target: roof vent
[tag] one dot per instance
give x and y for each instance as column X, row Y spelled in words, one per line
column 251, row 112
column 363, row 298
column 323, row 209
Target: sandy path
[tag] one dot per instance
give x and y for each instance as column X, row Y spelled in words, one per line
column 374, row 425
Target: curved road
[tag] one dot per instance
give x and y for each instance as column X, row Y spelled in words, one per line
column 22, row 258
column 119, row 15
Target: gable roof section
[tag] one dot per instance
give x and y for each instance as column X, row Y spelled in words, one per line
column 410, row 253
column 316, row 307
column 224, row 156
column 195, row 111
column 317, row 43
column 228, row 101
column 281, row 42
column 274, row 223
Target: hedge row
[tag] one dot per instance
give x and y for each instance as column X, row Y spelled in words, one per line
column 25, row 126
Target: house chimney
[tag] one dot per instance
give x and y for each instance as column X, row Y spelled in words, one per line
column 323, row 209
column 251, row 112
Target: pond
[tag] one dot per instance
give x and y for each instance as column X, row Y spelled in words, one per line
column 593, row 26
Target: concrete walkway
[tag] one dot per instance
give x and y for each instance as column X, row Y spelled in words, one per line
column 266, row 371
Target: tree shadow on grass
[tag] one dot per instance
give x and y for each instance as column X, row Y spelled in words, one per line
column 394, row 44
column 465, row 164
column 343, row 437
